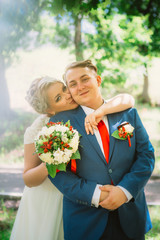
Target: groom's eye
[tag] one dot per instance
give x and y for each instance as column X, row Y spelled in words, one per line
column 72, row 84
column 85, row 79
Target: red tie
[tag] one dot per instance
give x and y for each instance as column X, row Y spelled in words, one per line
column 105, row 138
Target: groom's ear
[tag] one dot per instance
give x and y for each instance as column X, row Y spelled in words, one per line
column 99, row 80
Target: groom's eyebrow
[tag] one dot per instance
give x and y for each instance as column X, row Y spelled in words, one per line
column 85, row 75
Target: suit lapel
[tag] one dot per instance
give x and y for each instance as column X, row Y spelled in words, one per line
column 80, row 116
column 113, row 124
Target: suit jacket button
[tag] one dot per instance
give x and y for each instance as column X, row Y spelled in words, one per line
column 110, row 170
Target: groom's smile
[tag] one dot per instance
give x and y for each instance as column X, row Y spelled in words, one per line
column 84, row 93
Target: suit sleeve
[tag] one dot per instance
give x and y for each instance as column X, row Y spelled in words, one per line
column 142, row 168
column 73, row 187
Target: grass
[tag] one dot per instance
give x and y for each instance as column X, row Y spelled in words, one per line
column 7, row 217
column 154, row 233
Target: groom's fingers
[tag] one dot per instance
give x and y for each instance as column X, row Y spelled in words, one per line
column 106, row 188
column 115, row 199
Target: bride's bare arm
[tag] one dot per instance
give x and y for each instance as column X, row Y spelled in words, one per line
column 35, row 172
column 118, row 103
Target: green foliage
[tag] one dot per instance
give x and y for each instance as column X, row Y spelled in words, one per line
column 121, row 44
column 154, row 233
column 68, row 15
column 7, row 217
column 149, row 9
column 12, row 131
column 76, row 155
column 73, row 7
column 16, row 20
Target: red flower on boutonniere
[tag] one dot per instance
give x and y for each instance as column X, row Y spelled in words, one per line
column 125, row 131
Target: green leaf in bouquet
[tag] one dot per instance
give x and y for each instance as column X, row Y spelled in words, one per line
column 51, row 169
column 68, row 123
column 40, row 150
column 61, row 167
column 116, row 135
column 76, row 155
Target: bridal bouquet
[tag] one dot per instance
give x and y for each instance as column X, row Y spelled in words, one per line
column 56, row 144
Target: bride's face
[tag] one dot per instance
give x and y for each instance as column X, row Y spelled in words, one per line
column 59, row 98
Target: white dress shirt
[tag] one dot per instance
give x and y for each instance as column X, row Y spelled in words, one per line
column 97, row 192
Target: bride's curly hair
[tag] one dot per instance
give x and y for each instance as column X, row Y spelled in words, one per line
column 36, row 94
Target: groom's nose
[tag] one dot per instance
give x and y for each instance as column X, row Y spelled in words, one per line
column 80, row 86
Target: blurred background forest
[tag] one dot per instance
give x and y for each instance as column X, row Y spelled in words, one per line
column 40, row 37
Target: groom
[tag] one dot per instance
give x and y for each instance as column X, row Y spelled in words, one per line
column 118, row 210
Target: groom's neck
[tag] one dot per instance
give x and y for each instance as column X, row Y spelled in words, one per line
column 95, row 104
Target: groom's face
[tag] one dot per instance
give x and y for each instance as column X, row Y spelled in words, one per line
column 83, row 84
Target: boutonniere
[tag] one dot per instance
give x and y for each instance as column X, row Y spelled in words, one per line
column 125, row 131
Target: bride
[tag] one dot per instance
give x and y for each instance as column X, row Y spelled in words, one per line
column 40, row 211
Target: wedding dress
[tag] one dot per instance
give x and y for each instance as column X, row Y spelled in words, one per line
column 39, row 216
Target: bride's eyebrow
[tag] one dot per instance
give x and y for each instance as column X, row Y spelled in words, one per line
column 57, row 96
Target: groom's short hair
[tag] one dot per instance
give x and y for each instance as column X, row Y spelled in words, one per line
column 80, row 64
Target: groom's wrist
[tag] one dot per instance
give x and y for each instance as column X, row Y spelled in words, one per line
column 96, row 196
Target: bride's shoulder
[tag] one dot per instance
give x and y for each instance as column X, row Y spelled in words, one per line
column 32, row 131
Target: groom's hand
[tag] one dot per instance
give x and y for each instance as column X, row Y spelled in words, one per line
column 115, row 198
column 103, row 195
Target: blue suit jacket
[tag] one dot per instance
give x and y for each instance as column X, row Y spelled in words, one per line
column 129, row 167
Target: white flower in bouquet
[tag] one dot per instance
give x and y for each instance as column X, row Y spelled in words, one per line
column 74, row 142
column 47, row 157
column 62, row 156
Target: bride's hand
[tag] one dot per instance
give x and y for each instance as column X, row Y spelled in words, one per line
column 91, row 121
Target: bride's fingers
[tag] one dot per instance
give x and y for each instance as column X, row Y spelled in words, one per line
column 88, row 128
column 94, row 126
column 91, row 119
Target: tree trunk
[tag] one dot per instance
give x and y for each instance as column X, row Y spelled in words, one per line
column 145, row 93
column 78, row 38
column 5, row 110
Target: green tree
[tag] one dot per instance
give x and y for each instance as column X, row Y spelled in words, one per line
column 126, row 35
column 69, row 16
column 17, row 18
column 150, row 10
